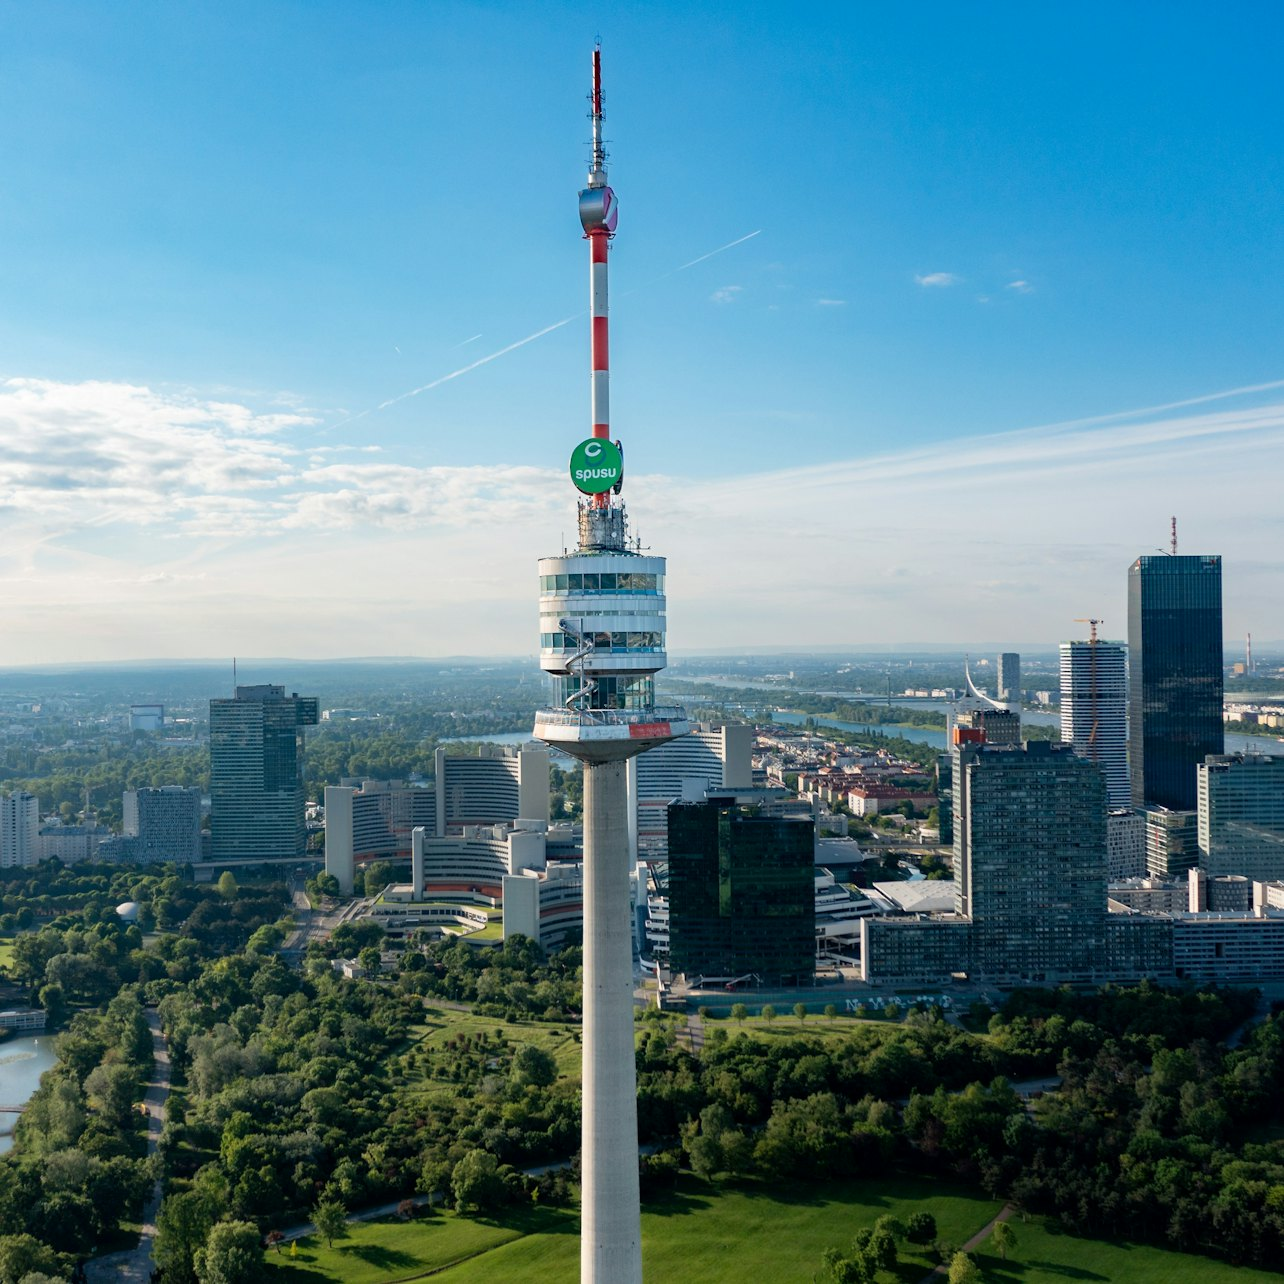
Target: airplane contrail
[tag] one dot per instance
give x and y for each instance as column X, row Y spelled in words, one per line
column 521, row 343
column 729, row 246
column 466, row 342
column 481, row 361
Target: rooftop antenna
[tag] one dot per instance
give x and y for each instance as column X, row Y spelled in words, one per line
column 234, row 677
column 1092, row 669
column 1174, row 537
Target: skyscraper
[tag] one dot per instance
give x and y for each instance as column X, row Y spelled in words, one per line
column 19, row 829
column 1030, row 860
column 163, row 824
column 1094, row 710
column 742, row 894
column 1175, row 688
column 256, row 774
column 1241, row 816
column 1009, row 680
column 602, row 642
column 706, row 758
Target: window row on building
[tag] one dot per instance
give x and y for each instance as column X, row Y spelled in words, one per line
column 603, row 582
column 644, row 640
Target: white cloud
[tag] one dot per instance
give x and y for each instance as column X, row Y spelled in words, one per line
column 727, row 293
column 135, row 523
column 1020, row 287
column 831, row 303
column 938, row 280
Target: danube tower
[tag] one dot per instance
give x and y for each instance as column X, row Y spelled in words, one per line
column 602, row 642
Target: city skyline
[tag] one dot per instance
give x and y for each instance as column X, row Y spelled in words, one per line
column 262, row 366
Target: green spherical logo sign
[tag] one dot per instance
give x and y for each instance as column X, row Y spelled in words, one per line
column 596, row 465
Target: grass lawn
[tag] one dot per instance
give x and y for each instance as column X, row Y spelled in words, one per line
column 703, row 1235
column 787, row 1026
column 1044, row 1256
column 6, row 951
column 442, row 1024
column 394, row 1250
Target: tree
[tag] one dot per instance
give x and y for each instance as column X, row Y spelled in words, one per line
column 24, row 1255
column 963, row 1270
column 920, row 1228
column 476, row 1182
column 739, row 1012
column 534, row 1066
column 231, row 1255
column 800, row 1011
column 331, row 1220
column 768, row 1012
column 227, row 885
column 369, row 958
column 830, row 1011
column 434, row 1177
column 54, row 1002
column 378, row 876
column 1005, row 1238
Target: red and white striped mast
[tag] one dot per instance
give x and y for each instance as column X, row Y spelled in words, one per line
column 598, row 215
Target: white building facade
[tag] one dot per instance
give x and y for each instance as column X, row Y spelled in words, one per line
column 19, row 830
column 1094, row 710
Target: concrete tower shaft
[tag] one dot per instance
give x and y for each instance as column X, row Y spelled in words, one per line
column 602, row 640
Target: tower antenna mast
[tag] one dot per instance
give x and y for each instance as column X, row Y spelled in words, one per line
column 1174, row 537
column 599, row 215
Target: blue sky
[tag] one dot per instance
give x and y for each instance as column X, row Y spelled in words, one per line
column 230, row 233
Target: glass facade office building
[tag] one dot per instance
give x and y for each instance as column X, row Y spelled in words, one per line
column 741, row 894
column 1175, row 683
column 256, row 774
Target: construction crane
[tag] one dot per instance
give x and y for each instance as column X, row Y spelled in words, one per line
column 1092, row 668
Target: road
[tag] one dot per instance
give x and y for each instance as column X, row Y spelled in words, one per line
column 136, row 1264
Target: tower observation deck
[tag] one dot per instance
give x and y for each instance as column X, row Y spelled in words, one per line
column 602, row 643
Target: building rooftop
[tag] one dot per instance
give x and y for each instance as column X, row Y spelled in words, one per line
column 921, row 896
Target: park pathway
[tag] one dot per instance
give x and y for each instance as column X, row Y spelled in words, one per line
column 134, row 1265
column 940, row 1272
column 695, row 1033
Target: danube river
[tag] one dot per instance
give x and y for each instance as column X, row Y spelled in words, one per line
column 22, row 1062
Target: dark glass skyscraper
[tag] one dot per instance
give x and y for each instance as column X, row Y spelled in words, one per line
column 256, row 774
column 1175, row 683
column 742, row 893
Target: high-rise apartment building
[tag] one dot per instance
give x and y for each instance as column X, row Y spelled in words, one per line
column 256, row 774
column 19, row 829
column 500, row 783
column 1125, row 844
column 1175, row 688
column 682, row 771
column 1009, row 680
column 741, row 894
column 1241, row 816
column 1030, row 860
column 1094, row 710
column 162, row 824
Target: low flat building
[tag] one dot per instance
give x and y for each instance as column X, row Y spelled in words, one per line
column 25, row 1020
column 925, row 949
